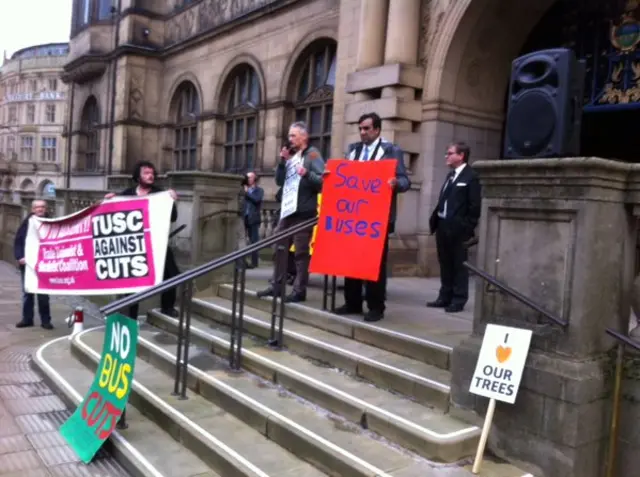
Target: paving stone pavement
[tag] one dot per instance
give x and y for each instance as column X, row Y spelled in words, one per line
column 30, row 413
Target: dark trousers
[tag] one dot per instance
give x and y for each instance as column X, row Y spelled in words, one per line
column 301, row 242
column 252, row 232
column 374, row 292
column 44, row 308
column 454, row 276
column 168, row 298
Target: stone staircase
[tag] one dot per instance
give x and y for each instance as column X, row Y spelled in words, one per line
column 343, row 398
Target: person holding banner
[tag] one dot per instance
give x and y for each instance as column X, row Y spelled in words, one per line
column 144, row 174
column 39, row 209
column 454, row 220
column 299, row 173
column 371, row 148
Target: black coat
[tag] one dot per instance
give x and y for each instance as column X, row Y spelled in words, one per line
column 463, row 198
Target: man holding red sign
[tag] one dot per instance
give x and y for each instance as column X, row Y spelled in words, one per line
column 358, row 213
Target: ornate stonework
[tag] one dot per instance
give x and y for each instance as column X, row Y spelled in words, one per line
column 207, row 16
column 136, row 98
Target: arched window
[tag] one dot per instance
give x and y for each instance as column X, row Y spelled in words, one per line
column 314, row 94
column 89, row 127
column 186, row 102
column 241, row 119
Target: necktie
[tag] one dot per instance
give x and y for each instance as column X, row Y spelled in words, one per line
column 449, row 180
column 365, row 156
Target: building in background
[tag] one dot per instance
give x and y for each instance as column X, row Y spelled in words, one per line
column 211, row 85
column 32, row 118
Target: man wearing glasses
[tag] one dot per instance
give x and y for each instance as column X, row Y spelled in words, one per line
column 454, row 221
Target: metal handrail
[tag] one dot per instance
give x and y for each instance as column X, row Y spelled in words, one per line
column 205, row 268
column 623, row 342
column 627, row 340
column 515, row 294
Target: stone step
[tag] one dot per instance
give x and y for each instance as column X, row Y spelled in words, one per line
column 144, row 449
column 336, row 446
column 330, row 444
column 427, row 432
column 425, row 383
column 432, row 349
column 230, row 446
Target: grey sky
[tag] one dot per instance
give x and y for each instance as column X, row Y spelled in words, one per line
column 33, row 22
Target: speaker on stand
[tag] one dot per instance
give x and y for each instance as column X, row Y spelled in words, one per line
column 544, row 111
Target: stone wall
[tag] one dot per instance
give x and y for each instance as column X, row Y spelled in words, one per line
column 563, row 232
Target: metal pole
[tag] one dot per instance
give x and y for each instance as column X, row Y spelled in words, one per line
column 234, row 305
column 325, row 292
column 615, row 414
column 240, row 327
column 176, row 389
column 114, row 69
column 283, row 296
column 187, row 336
column 122, row 423
column 280, row 250
column 67, row 172
column 334, row 286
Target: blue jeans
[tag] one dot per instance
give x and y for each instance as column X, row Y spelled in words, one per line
column 27, row 305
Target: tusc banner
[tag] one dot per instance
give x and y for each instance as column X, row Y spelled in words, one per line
column 96, row 416
column 352, row 229
column 118, row 246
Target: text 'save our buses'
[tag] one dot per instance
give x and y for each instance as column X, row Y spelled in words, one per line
column 119, row 246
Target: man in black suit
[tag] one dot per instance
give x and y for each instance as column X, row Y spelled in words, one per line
column 374, row 148
column 252, row 212
column 454, row 221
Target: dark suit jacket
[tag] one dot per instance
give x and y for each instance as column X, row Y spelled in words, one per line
column 253, row 205
column 463, row 205
column 390, row 151
column 131, row 191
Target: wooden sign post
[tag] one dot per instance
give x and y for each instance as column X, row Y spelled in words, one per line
column 498, row 373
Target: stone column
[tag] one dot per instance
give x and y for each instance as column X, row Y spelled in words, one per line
column 371, row 37
column 559, row 232
column 403, row 32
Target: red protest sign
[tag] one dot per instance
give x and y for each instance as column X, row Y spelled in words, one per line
column 356, row 201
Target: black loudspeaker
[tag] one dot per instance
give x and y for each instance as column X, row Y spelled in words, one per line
column 544, row 110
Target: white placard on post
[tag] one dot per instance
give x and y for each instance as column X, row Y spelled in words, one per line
column 291, row 187
column 498, row 373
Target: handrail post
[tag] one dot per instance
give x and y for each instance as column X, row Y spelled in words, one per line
column 325, row 292
column 279, row 284
column 122, row 423
column 240, row 318
column 178, row 370
column 234, row 308
column 188, row 295
column 334, row 287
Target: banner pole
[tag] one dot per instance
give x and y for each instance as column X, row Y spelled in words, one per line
column 488, row 419
column 615, row 412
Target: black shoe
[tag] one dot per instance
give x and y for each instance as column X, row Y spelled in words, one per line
column 373, row 315
column 47, row 326
column 345, row 310
column 250, row 266
column 437, row 304
column 24, row 324
column 169, row 312
column 295, row 298
column 264, row 293
column 454, row 308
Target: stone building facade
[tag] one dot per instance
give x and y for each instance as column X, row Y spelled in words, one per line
column 212, row 85
column 32, row 117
